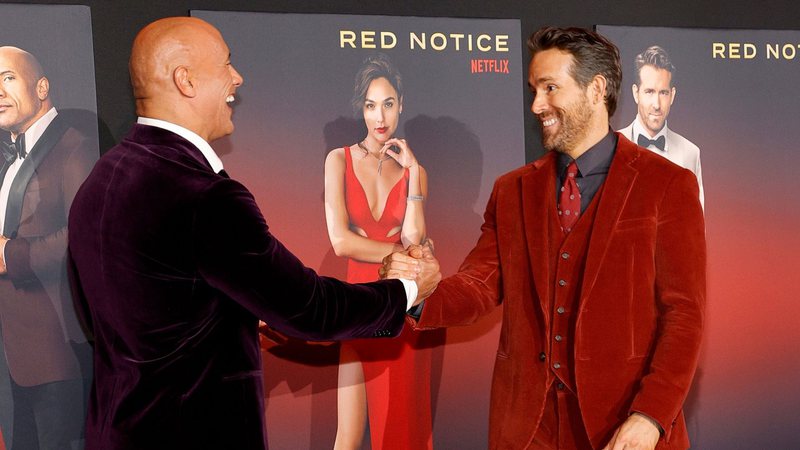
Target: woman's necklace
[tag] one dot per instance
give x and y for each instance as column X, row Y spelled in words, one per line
column 380, row 160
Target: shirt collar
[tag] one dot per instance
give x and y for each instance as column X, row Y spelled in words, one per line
column 191, row 136
column 596, row 159
column 638, row 129
column 35, row 131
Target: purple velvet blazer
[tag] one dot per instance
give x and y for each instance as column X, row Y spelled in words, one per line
column 172, row 266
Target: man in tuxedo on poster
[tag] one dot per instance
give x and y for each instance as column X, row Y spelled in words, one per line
column 654, row 92
column 44, row 355
column 173, row 265
column 597, row 253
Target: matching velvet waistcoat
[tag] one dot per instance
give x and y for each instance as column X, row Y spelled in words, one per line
column 567, row 258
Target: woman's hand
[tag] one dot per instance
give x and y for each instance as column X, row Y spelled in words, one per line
column 405, row 157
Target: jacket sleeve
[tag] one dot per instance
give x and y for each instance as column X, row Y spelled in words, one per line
column 476, row 289
column 241, row 258
column 680, row 288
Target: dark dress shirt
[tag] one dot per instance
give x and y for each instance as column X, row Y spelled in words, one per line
column 592, row 168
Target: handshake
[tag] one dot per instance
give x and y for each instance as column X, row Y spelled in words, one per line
column 415, row 263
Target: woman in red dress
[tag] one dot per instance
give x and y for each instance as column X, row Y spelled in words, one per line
column 374, row 196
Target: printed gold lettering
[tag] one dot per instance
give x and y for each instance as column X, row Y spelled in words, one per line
column 388, row 39
column 483, row 38
column 417, row 41
column 718, row 50
column 367, row 39
column 347, row 37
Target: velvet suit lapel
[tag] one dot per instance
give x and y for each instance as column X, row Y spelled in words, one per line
column 3, row 170
column 38, row 153
column 538, row 195
column 617, row 187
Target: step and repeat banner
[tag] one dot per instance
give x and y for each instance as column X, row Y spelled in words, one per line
column 732, row 99
column 722, row 103
column 46, row 58
column 461, row 114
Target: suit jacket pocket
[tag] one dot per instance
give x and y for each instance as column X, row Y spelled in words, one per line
column 637, row 223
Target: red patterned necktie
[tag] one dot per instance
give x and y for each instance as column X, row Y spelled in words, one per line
column 569, row 200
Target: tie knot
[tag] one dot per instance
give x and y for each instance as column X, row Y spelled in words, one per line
column 572, row 169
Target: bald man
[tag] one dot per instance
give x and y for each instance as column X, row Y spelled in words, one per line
column 174, row 265
column 44, row 161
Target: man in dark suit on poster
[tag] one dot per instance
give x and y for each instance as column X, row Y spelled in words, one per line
column 42, row 343
column 597, row 253
column 173, row 265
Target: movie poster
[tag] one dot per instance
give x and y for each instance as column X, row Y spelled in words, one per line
column 735, row 105
column 45, row 361
column 461, row 114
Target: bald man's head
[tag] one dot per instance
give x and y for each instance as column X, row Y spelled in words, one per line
column 181, row 72
column 24, row 90
column 160, row 47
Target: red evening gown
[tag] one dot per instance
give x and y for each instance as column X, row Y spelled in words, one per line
column 396, row 373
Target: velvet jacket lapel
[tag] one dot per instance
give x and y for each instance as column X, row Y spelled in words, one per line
column 38, row 153
column 618, row 185
column 538, row 202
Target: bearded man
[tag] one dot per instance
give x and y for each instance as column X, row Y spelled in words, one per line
column 597, row 254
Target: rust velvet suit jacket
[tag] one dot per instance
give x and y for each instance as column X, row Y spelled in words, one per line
column 640, row 311
column 173, row 265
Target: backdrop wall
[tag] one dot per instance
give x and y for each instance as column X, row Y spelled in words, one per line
column 115, row 23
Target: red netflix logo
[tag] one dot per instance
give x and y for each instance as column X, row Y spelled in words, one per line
column 489, row 65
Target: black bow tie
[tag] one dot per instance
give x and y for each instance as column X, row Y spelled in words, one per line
column 643, row 141
column 11, row 150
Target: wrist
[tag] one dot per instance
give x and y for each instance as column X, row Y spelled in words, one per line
column 650, row 420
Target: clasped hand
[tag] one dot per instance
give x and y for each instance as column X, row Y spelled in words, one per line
column 414, row 263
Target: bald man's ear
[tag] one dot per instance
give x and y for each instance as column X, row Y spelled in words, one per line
column 43, row 88
column 183, row 81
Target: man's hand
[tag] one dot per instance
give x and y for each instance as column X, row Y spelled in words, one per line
column 636, row 433
column 3, row 268
column 415, row 263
